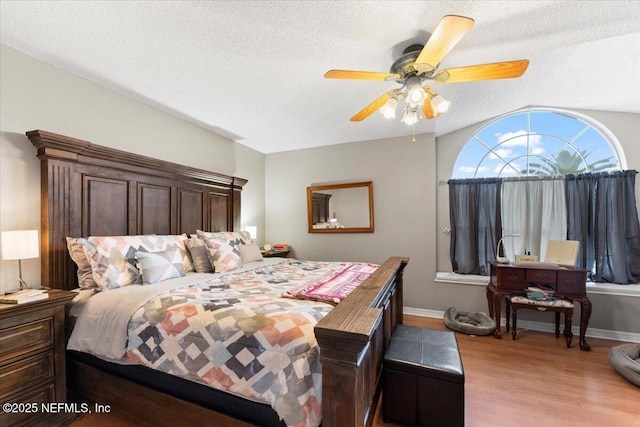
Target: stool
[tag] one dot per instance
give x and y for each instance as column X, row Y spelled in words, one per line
column 558, row 306
column 423, row 383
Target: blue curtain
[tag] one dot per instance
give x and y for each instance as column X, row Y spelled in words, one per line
column 474, row 209
column 580, row 191
column 617, row 229
column 601, row 215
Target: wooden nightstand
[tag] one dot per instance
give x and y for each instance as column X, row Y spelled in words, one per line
column 32, row 362
column 275, row 253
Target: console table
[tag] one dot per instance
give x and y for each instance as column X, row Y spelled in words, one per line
column 567, row 282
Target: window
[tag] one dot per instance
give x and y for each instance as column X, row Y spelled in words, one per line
column 538, row 141
column 538, row 175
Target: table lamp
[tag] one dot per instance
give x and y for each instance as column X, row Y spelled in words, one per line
column 503, row 259
column 252, row 230
column 20, row 244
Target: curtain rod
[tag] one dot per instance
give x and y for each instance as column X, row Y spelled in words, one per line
column 535, row 178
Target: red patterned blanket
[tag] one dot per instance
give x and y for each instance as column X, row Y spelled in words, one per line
column 335, row 286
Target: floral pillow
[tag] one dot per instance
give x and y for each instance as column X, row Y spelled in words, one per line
column 158, row 266
column 113, row 260
column 223, row 248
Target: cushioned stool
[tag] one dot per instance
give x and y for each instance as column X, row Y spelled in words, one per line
column 423, row 381
column 558, row 306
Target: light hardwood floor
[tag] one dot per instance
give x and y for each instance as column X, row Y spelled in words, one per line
column 532, row 381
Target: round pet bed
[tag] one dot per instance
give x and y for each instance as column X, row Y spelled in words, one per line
column 625, row 360
column 468, row 322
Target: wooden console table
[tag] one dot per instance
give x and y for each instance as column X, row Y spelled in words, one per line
column 509, row 279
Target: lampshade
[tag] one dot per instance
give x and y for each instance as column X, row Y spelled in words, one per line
column 20, row 244
column 410, row 117
column 416, row 94
column 388, row 110
column 439, row 104
column 253, row 231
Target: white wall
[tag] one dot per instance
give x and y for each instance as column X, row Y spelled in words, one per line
column 34, row 95
column 403, row 176
column 620, row 313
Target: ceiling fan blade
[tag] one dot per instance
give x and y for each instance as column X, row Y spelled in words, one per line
column 448, row 33
column 427, row 110
column 371, row 108
column 360, row 75
column 497, row 70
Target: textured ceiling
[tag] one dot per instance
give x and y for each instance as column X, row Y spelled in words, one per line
column 253, row 70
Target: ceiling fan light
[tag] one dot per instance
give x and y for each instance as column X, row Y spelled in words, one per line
column 415, row 93
column 410, row 117
column 388, row 110
column 416, row 96
column 439, row 104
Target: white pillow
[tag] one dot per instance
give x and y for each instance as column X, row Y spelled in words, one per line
column 250, row 253
column 158, row 266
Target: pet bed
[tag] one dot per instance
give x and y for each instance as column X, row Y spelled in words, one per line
column 468, row 322
column 625, row 360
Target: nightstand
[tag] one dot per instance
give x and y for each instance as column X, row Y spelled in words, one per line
column 275, row 253
column 32, row 361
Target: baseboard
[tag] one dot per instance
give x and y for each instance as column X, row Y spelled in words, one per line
column 540, row 326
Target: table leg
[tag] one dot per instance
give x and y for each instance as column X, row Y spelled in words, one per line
column 490, row 301
column 497, row 309
column 568, row 315
column 585, row 315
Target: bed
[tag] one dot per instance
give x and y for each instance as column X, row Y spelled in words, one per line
column 152, row 197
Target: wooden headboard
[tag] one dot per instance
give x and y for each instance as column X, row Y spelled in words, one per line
column 90, row 190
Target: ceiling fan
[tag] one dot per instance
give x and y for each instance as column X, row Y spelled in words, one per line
column 418, row 64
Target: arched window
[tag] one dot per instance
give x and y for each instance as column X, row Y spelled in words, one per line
column 539, row 141
column 538, row 175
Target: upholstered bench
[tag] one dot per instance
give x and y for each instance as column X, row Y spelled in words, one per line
column 423, row 382
column 557, row 306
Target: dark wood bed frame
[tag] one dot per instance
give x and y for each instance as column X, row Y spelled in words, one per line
column 88, row 190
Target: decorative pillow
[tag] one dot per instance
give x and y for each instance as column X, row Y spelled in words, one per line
column 76, row 247
column 199, row 255
column 240, row 237
column 250, row 253
column 113, row 260
column 223, row 248
column 158, row 266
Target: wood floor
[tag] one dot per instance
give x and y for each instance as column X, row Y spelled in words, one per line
column 532, row 381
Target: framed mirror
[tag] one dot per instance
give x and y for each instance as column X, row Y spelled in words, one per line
column 341, row 208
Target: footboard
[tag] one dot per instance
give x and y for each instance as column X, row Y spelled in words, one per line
column 352, row 340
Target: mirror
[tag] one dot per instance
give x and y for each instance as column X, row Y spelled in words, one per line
column 341, row 208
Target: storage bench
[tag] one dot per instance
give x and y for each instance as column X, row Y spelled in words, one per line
column 423, row 382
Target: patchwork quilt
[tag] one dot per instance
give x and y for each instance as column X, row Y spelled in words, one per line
column 236, row 333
